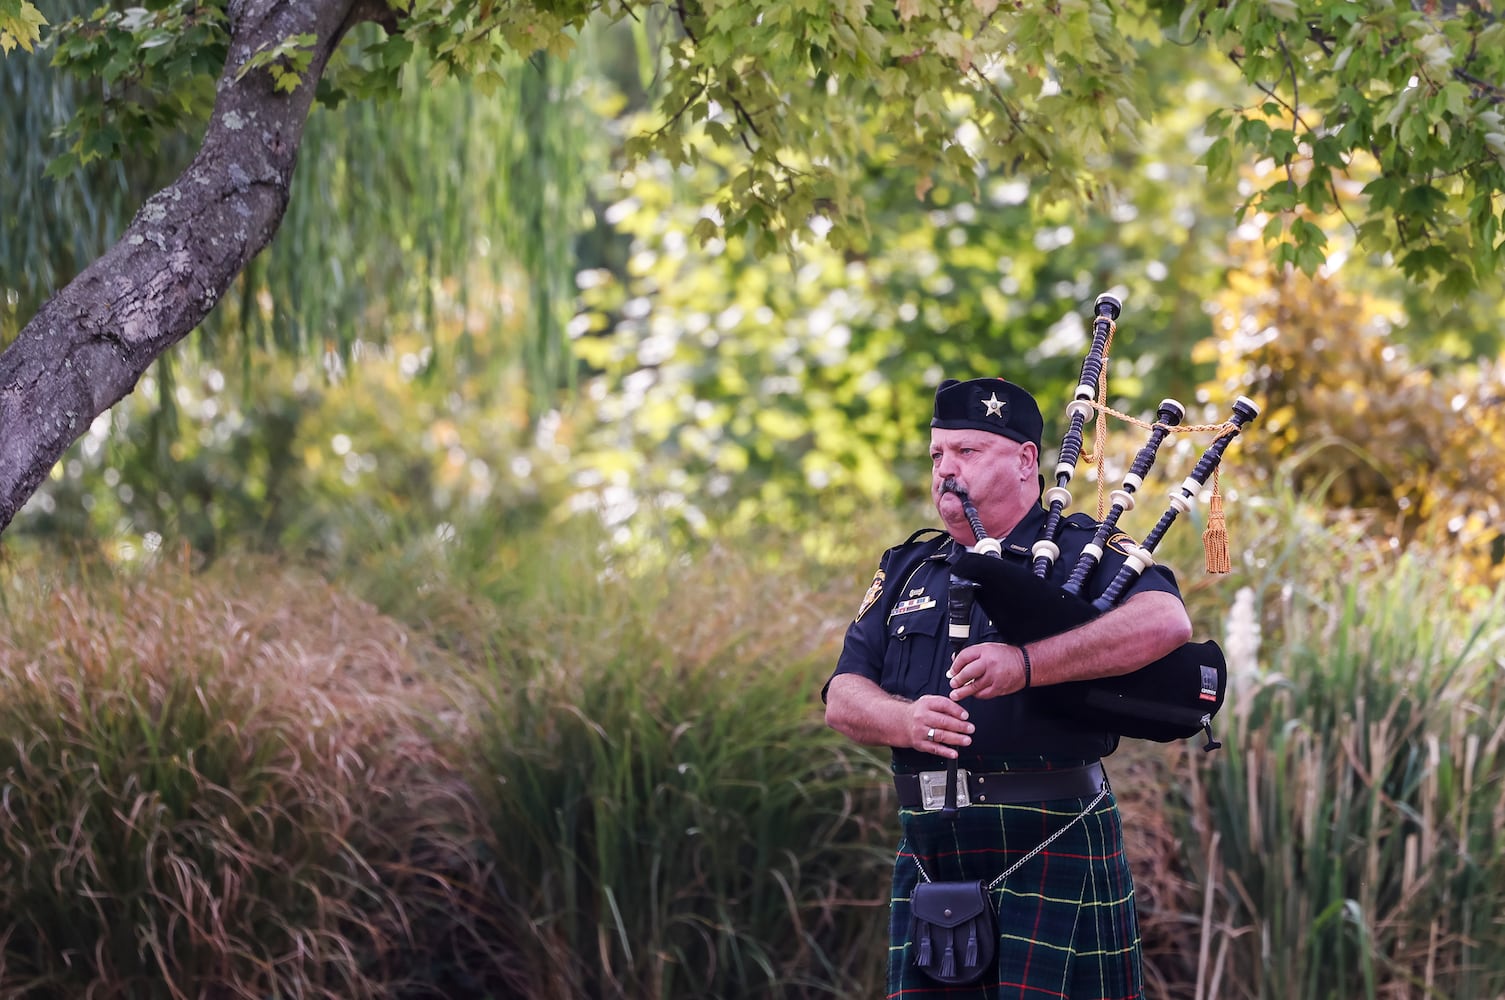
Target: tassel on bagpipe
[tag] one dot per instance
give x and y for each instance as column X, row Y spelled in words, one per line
column 1106, row 310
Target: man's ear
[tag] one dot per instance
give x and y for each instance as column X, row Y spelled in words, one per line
column 1029, row 461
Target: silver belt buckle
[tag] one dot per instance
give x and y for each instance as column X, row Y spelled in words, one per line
column 933, row 789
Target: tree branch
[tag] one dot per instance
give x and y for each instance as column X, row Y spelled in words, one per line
column 88, row 346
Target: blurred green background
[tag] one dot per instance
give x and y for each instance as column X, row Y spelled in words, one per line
column 447, row 617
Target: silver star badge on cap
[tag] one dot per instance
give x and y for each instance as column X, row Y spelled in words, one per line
column 994, row 405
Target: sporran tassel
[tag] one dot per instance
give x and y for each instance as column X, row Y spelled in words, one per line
column 923, row 958
column 948, row 957
column 972, row 946
column 1215, row 538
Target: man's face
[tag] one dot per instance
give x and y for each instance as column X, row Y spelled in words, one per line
column 998, row 473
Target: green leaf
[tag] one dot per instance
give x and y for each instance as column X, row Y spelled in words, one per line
column 1282, row 143
column 1218, row 159
column 1423, row 200
column 1383, row 193
column 1457, row 282
column 1253, row 132
column 395, row 51
column 1374, row 235
column 1309, row 258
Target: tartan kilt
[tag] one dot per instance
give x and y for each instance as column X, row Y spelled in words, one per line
column 1066, row 919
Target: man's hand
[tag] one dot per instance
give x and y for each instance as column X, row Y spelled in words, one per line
column 933, row 723
column 939, row 726
column 986, row 670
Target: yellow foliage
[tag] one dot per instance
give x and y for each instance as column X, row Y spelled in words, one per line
column 1348, row 416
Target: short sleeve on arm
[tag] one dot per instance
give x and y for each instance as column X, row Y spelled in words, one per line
column 862, row 649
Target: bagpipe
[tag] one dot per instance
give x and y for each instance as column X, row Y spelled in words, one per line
column 1173, row 698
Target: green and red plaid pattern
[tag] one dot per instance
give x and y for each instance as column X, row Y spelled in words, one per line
column 1066, row 920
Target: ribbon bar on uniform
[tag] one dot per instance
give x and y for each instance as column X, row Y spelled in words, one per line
column 927, row 789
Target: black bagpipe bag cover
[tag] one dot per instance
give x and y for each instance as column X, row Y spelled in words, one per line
column 1171, row 699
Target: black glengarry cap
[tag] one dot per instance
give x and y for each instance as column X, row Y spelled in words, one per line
column 994, row 405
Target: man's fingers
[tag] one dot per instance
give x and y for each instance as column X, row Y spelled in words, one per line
column 965, row 681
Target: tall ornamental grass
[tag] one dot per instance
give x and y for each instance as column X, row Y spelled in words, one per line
column 564, row 780
column 672, row 816
column 1348, row 836
column 213, row 787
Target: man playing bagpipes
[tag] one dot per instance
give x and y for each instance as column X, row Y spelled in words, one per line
column 976, row 655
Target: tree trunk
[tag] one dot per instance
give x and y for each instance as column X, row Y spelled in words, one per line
column 89, row 345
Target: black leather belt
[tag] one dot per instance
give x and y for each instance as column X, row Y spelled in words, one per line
column 927, row 789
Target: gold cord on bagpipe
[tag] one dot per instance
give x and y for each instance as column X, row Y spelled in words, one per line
column 1215, row 537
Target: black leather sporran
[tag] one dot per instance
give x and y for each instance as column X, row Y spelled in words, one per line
column 953, row 931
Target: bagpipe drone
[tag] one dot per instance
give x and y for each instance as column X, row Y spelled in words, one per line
column 1173, row 698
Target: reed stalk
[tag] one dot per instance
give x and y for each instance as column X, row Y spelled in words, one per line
column 1349, row 832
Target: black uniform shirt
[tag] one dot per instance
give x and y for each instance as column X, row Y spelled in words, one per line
column 899, row 640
